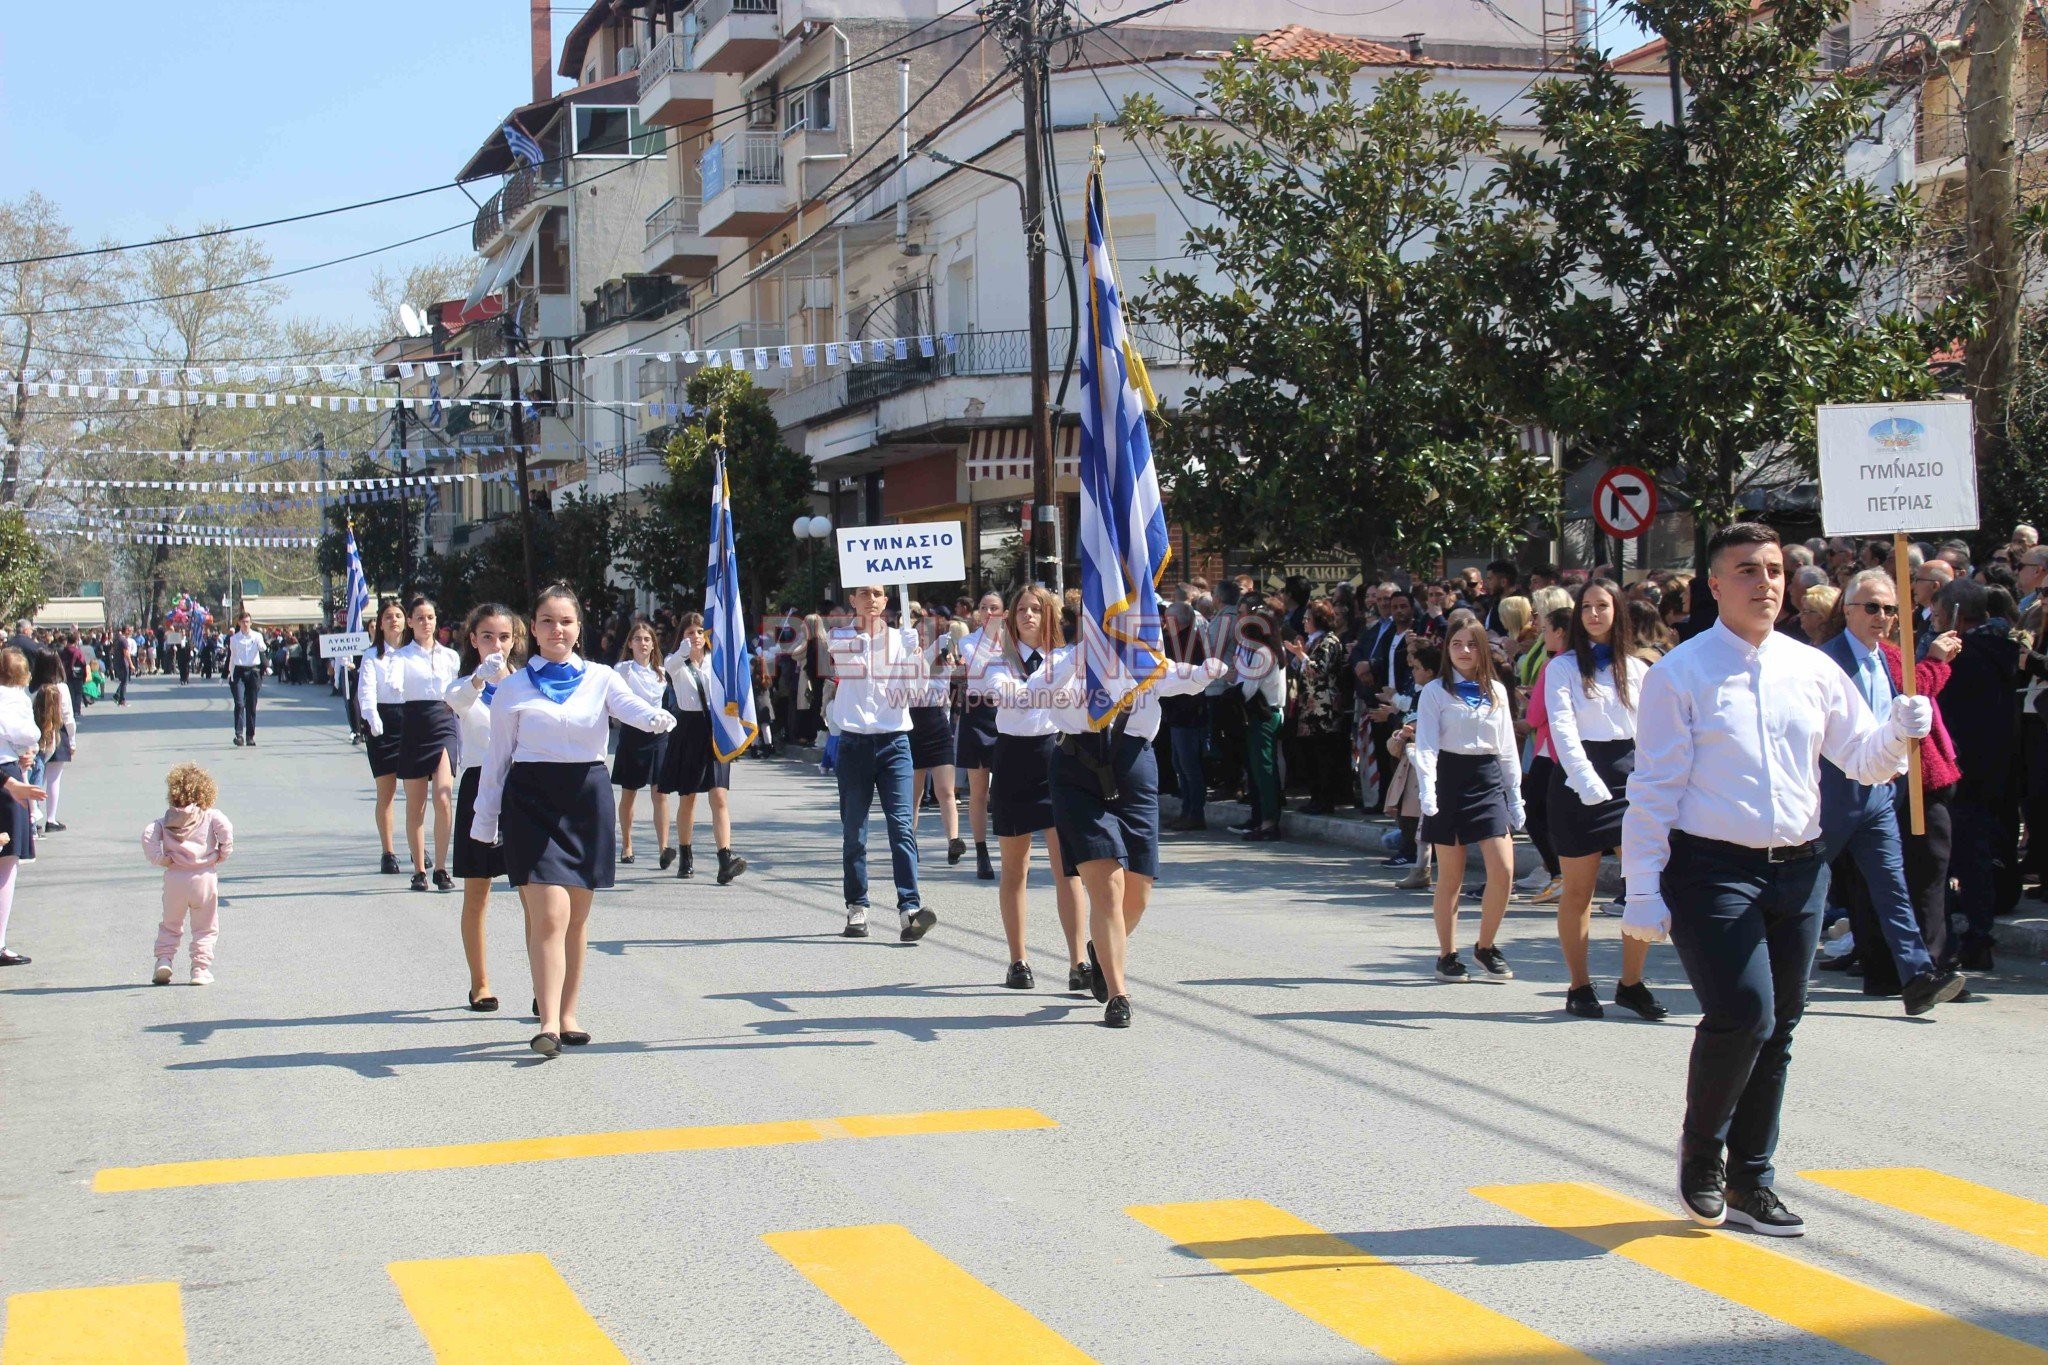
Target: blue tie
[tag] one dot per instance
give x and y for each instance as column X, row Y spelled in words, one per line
column 1875, row 687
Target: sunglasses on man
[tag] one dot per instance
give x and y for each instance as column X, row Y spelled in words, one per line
column 1876, row 608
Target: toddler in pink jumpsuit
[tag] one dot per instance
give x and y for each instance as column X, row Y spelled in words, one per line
column 188, row 843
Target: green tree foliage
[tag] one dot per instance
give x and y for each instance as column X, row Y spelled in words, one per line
column 1337, row 411
column 1684, row 302
column 665, row 545
column 22, row 561
column 378, row 535
column 2015, row 489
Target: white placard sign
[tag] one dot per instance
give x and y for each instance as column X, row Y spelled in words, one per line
column 917, row 552
column 1897, row 467
column 344, row 644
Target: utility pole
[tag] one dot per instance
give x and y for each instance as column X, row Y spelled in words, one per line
column 525, row 497
column 404, row 506
column 1024, row 39
column 326, row 574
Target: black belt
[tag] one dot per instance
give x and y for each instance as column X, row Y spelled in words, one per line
column 1743, row 853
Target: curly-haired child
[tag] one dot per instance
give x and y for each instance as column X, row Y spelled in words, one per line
column 188, row 843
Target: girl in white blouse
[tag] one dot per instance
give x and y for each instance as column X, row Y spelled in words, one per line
column 639, row 758
column 428, row 740
column 494, row 641
column 19, row 737
column 1590, row 694
column 1469, row 784
column 692, row 766
column 545, row 790
column 381, row 706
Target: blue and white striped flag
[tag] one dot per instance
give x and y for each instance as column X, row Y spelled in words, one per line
column 522, row 145
column 433, row 400
column 355, row 590
column 733, row 723
column 1124, row 547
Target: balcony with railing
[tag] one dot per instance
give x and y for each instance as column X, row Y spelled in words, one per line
column 735, row 36
column 514, row 206
column 674, row 245
column 742, row 180
column 634, row 298
column 755, row 341
column 673, row 90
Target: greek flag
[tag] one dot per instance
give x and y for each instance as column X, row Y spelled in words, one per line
column 1123, row 524
column 433, row 400
column 355, row 589
column 733, row 724
column 522, row 145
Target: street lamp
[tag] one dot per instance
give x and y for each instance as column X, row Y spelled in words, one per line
column 811, row 530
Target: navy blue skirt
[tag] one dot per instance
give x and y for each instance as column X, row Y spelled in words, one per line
column 1471, row 802
column 975, row 745
column 383, row 749
column 688, row 764
column 468, row 858
column 931, row 737
column 17, row 821
column 558, row 826
column 431, row 731
column 1126, row 827
column 1578, row 830
column 637, row 761
column 1020, row 784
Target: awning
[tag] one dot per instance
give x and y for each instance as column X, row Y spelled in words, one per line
column 760, row 76
column 82, row 612
column 1005, row 453
column 499, row 270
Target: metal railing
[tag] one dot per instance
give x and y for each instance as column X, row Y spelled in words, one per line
column 747, row 334
column 747, row 159
column 1009, row 352
column 673, row 53
column 527, row 185
column 675, row 218
column 711, row 11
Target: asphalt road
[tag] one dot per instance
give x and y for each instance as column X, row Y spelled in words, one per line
column 1305, row 1150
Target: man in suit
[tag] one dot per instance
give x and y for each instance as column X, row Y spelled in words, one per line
column 1860, row 823
column 1379, row 661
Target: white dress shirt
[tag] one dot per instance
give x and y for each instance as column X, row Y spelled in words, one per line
column 19, row 733
column 875, row 676
column 645, row 680
column 466, row 700
column 691, row 682
column 1729, row 740
column 1577, row 719
column 376, row 685
column 528, row 728
column 422, row 673
column 245, row 649
column 1259, row 676
column 1062, row 691
column 1028, row 716
column 1445, row 724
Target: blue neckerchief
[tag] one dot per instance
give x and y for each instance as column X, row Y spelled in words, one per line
column 1603, row 656
column 1468, row 692
column 555, row 681
column 490, row 690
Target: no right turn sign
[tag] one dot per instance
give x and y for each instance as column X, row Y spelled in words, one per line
column 1625, row 502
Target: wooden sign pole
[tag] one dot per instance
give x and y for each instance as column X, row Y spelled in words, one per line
column 1902, row 575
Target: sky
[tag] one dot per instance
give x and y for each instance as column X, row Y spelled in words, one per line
column 139, row 117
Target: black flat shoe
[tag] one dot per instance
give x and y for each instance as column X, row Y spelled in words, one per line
column 390, row 864
column 419, row 881
column 1020, row 978
column 10, row 958
column 668, row 855
column 1078, row 977
column 1118, row 1015
column 483, row 1004
column 956, row 849
column 546, row 1044
column 55, row 827
column 575, row 1037
column 442, row 880
column 625, row 857
column 1097, row 987
column 1583, row 1002
column 1639, row 999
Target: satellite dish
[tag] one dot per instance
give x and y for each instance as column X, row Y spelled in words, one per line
column 412, row 320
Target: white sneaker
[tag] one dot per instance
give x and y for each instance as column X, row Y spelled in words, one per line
column 856, row 922
column 202, row 976
column 162, row 975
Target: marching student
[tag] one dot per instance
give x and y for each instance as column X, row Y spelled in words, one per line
column 1020, row 792
column 975, row 745
column 1589, row 700
column 429, row 737
column 381, row 705
column 493, row 644
column 1469, row 773
column 245, row 676
column 931, row 738
column 189, row 841
column 874, row 671
column 1721, row 849
column 19, row 736
column 637, row 764
column 546, row 796
column 690, row 765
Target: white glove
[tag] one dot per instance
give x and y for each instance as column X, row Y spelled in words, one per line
column 663, row 723
column 1597, row 796
column 375, row 723
column 493, row 668
column 1646, row 918
column 1518, row 819
column 1215, row 668
column 483, row 831
column 1912, row 717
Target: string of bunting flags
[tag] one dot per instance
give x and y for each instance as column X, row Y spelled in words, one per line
column 343, row 486
column 213, row 398
column 270, row 542
column 288, row 456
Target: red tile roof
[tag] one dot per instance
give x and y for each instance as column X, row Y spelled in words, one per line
column 1294, row 41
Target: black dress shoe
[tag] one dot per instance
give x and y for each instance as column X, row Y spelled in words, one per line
column 1639, row 999
column 575, row 1037
column 1078, row 976
column 1976, row 959
column 984, row 870
column 668, row 855
column 419, row 881
column 390, row 863
column 55, row 827
column 1020, row 978
column 1702, row 1188
column 1584, row 1002
column 956, row 849
column 239, row 741
column 442, row 880
column 1931, row 988
column 483, row 1004
column 546, row 1044
column 625, row 857
column 10, row 958
column 1118, row 1015
column 1097, row 987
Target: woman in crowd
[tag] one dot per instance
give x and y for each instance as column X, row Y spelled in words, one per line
column 1545, row 883
column 638, row 762
column 428, row 741
column 1814, row 609
column 976, row 746
column 494, row 643
column 1470, row 777
column 1589, row 695
column 810, row 720
column 545, row 796
column 1020, row 791
column 1647, row 625
column 381, row 705
column 1186, row 720
column 19, row 738
column 690, row 764
column 58, row 724
column 1263, row 680
column 1425, row 662
column 931, row 736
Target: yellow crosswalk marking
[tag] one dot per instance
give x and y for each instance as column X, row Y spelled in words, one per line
column 2021, row 1224
column 1778, row 1286
column 129, row 1324
column 922, row 1306
column 385, row 1161
column 1389, row 1311
column 500, row 1310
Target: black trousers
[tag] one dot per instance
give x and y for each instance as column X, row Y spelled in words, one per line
column 121, row 688
column 1327, row 761
column 1975, row 860
column 247, row 685
column 1536, row 803
column 1927, row 859
column 184, row 663
column 1227, row 731
column 1745, row 933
